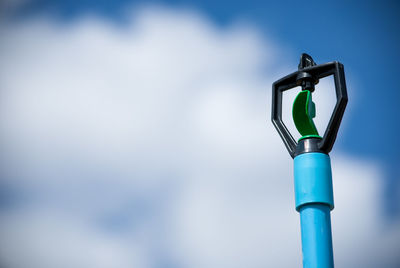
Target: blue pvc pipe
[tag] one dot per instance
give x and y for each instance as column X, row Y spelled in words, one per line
column 316, row 238
column 314, row 201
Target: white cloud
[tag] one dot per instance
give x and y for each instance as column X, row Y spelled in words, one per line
column 50, row 240
column 152, row 144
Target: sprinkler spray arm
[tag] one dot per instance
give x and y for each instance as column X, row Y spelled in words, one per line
column 307, row 77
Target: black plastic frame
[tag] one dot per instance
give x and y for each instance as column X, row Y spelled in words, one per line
column 293, row 80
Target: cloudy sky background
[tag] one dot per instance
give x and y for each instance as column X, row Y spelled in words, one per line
column 139, row 135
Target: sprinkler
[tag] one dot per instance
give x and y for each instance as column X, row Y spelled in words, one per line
column 312, row 167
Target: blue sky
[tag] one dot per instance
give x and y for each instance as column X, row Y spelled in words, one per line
column 362, row 35
column 154, row 174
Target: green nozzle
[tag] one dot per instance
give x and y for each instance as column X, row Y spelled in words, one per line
column 303, row 114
